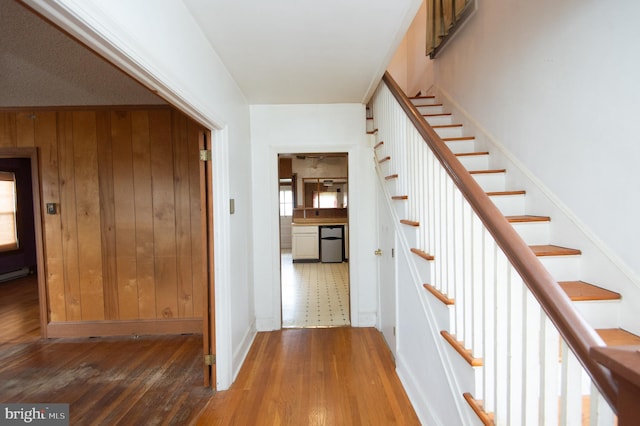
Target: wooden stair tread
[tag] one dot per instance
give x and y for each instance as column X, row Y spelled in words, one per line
column 618, row 337
column 390, row 177
column 442, row 114
column 422, row 254
column 400, row 197
column 528, row 218
column 372, row 132
column 582, row 291
column 459, row 139
column 519, row 192
column 422, row 97
column 459, row 347
column 387, row 158
column 481, row 172
column 487, row 419
column 445, row 126
column 410, row 222
column 439, row 295
column 552, row 250
column 378, row 145
column 465, row 154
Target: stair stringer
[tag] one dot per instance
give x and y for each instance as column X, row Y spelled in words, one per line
column 599, row 263
column 425, row 362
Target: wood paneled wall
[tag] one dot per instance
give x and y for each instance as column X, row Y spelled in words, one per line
column 126, row 242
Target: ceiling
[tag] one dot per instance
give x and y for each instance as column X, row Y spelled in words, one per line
column 41, row 66
column 278, row 51
column 304, row 51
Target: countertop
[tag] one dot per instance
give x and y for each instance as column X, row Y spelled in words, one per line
column 320, row 221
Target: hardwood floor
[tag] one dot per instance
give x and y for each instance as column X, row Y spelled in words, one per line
column 333, row 376
column 107, row 381
column 19, row 315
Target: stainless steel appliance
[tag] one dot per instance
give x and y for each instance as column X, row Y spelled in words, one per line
column 332, row 243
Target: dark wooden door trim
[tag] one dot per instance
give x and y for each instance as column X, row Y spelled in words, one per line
column 208, row 312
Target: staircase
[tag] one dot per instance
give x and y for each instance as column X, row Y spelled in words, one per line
column 502, row 354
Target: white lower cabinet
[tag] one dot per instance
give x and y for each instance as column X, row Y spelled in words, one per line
column 305, row 243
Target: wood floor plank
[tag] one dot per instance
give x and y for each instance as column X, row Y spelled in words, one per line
column 145, row 380
column 19, row 313
column 290, row 377
column 314, row 376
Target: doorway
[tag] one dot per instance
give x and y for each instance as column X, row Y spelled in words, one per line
column 21, row 259
column 314, row 240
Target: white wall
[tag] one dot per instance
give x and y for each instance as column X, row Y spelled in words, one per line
column 557, row 84
column 419, row 66
column 181, row 65
column 410, row 67
column 398, row 65
column 312, row 128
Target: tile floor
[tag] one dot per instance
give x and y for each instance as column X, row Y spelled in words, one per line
column 314, row 294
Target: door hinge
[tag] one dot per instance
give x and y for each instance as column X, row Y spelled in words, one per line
column 210, row 359
column 205, row 155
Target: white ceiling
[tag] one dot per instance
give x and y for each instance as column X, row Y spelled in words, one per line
column 304, row 51
column 278, row 51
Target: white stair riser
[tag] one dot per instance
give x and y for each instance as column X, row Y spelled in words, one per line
column 460, row 147
column 449, row 132
column 439, row 120
column 411, row 233
column 509, row 205
column 423, row 101
column 467, row 376
column 444, row 313
column 425, row 269
column 491, row 182
column 600, row 313
column 370, row 125
column 385, row 166
column 392, row 185
column 401, row 207
column 533, row 233
column 380, row 151
column 475, row 162
column 562, row 268
column 430, row 109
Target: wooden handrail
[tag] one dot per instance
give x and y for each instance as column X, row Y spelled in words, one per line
column 579, row 335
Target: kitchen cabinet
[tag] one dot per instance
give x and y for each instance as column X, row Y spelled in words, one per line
column 305, row 243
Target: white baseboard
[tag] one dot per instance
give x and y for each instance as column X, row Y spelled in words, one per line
column 367, row 319
column 240, row 354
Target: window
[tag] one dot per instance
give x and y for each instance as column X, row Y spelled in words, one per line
column 8, row 207
column 325, row 200
column 286, row 201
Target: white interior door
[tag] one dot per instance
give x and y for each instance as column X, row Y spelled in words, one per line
column 387, row 273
